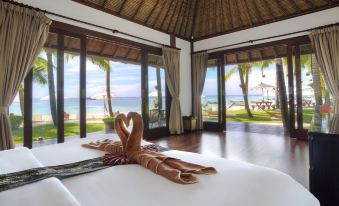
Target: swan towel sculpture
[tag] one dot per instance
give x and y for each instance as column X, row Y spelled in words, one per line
column 129, row 151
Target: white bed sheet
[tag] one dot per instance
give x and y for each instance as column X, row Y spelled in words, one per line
column 48, row 192
column 236, row 184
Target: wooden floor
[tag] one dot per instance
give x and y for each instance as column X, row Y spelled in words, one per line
column 249, row 143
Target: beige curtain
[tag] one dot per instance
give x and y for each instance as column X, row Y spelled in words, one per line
column 326, row 46
column 200, row 62
column 22, row 34
column 171, row 61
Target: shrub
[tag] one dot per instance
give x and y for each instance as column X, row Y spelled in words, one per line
column 16, row 121
column 109, row 120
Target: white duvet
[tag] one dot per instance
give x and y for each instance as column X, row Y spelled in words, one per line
column 236, row 184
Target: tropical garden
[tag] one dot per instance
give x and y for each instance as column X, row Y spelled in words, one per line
column 279, row 112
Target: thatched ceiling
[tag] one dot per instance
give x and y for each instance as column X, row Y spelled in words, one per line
column 206, row 18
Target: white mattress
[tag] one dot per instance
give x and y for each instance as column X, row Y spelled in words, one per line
column 236, row 184
column 49, row 192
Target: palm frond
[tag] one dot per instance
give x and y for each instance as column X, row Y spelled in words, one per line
column 101, row 62
column 230, row 73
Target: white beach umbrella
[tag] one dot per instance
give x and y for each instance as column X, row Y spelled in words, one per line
column 101, row 95
column 155, row 94
column 263, row 86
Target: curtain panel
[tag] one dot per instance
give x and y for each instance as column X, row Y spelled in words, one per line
column 23, row 32
column 200, row 62
column 171, row 59
column 326, row 47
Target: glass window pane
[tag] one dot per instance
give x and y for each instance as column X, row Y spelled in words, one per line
column 209, row 98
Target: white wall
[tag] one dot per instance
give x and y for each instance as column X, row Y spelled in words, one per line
column 75, row 10
column 308, row 21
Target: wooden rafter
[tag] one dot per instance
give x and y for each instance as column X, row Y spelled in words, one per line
column 239, row 12
column 151, row 12
column 187, row 22
column 115, row 51
column 247, row 13
column 155, row 20
column 127, row 53
column 230, row 16
column 309, row 3
column 166, row 14
column 281, row 7
column 184, row 18
column 257, row 12
column 195, row 19
column 268, row 9
column 294, row 5
column 180, row 15
column 222, row 19
column 105, row 4
column 102, row 48
column 172, row 15
column 141, row 3
column 122, row 6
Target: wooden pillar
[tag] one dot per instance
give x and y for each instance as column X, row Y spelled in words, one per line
column 28, row 110
column 144, row 88
column 223, row 91
column 60, row 89
column 192, row 51
column 83, row 87
column 172, row 40
column 298, row 88
column 290, row 87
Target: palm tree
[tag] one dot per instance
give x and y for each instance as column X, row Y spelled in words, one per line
column 158, row 88
column 104, row 64
column 51, row 86
column 244, row 71
column 281, row 87
column 39, row 77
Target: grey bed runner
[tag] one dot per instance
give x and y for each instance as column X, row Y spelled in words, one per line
column 21, row 178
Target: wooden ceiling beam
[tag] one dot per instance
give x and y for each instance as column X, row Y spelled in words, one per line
column 257, row 12
column 172, row 15
column 122, row 6
column 188, row 23
column 194, row 19
column 127, row 53
column 247, row 13
column 281, row 7
column 229, row 12
column 166, row 14
column 185, row 17
column 179, row 15
column 105, row 4
column 115, row 51
column 268, row 9
column 102, row 48
column 221, row 12
column 157, row 18
column 294, row 5
column 309, row 3
column 239, row 12
column 141, row 3
column 152, row 10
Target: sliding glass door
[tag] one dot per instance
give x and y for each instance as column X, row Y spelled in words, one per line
column 213, row 111
column 155, row 97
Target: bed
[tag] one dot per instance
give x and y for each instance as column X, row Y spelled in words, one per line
column 236, row 183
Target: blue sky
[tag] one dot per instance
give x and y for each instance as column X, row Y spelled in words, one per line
column 126, row 80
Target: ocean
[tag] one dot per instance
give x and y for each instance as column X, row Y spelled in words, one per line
column 94, row 107
column 121, row 104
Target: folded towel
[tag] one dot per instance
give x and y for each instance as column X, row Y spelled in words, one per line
column 130, row 151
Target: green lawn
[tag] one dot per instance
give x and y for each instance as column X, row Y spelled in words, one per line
column 48, row 131
column 272, row 116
